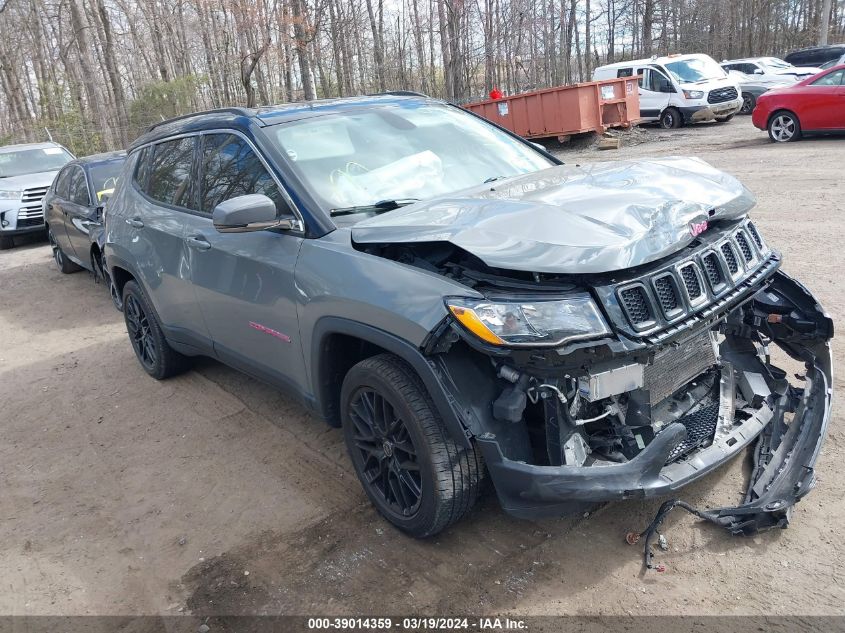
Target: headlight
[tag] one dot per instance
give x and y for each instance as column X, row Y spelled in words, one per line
column 693, row 94
column 530, row 323
column 10, row 195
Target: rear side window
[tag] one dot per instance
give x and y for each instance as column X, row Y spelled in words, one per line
column 62, row 182
column 624, row 72
column 230, row 168
column 170, row 179
column 78, row 193
column 142, row 168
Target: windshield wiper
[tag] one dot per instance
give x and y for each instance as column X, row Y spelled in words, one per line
column 377, row 207
column 494, row 179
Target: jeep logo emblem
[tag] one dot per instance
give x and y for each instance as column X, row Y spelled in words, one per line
column 697, row 228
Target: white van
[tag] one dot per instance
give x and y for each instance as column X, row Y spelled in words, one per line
column 680, row 89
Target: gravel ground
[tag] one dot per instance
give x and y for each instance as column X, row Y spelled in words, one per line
column 215, row 494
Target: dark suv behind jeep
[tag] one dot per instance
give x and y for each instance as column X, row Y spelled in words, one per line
column 464, row 305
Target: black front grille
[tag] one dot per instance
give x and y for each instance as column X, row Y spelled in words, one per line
column 720, row 95
column 691, row 281
column 636, row 305
column 717, row 271
column 666, row 294
column 755, row 235
column 711, row 267
column 28, row 222
column 730, row 258
column 744, row 247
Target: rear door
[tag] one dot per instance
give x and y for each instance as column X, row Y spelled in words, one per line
column 79, row 215
column 54, row 204
column 822, row 103
column 244, row 282
column 156, row 219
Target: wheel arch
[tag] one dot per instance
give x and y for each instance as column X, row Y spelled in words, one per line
column 777, row 111
column 339, row 343
column 120, row 272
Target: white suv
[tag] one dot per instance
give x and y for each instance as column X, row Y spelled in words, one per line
column 26, row 172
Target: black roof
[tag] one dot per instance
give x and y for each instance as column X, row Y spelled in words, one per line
column 269, row 115
column 99, row 158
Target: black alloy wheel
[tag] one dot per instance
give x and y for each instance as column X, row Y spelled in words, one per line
column 140, row 332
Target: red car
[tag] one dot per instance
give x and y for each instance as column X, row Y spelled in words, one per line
column 816, row 104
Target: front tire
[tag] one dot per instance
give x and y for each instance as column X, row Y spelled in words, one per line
column 414, row 473
column 784, row 127
column 749, row 102
column 153, row 351
column 62, row 262
column 670, row 119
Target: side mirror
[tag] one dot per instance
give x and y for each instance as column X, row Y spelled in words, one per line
column 252, row 212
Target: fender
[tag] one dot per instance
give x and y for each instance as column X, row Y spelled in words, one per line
column 328, row 326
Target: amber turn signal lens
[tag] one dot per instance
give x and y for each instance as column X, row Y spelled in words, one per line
column 469, row 319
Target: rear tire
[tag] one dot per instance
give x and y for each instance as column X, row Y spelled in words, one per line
column 6, row 242
column 413, row 471
column 153, row 351
column 784, row 127
column 62, row 262
column 671, row 119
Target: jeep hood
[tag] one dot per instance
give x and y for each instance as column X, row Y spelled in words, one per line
column 571, row 219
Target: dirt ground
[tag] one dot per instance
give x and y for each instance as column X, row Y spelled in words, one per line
column 212, row 493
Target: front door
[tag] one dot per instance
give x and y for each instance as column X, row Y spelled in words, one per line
column 823, row 103
column 244, row 282
column 652, row 100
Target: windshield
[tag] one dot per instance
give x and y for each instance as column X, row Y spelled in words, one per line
column 413, row 152
column 32, row 161
column 104, row 177
column 695, row 69
column 774, row 62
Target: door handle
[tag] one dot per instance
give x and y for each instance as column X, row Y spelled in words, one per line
column 198, row 242
column 135, row 222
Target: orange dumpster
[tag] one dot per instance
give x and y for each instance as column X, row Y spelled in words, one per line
column 593, row 106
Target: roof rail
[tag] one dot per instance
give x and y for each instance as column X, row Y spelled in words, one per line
column 240, row 111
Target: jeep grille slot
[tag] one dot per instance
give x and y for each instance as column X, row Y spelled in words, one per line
column 711, row 267
column 730, row 258
column 636, row 305
column 666, row 294
column 755, row 235
column 691, row 281
column 743, row 246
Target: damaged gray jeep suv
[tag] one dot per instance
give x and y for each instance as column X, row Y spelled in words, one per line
column 467, row 307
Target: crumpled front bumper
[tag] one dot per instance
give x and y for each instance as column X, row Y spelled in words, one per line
column 784, row 456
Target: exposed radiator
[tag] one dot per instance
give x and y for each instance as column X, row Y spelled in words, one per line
column 677, row 365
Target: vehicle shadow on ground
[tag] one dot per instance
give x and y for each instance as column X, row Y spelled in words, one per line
column 38, row 299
